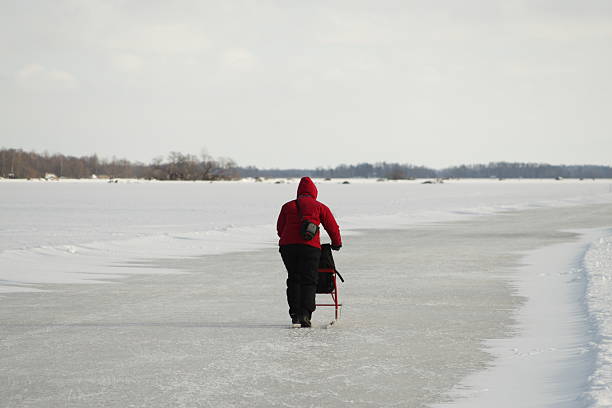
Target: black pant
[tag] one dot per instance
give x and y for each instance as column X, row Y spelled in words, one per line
column 302, row 263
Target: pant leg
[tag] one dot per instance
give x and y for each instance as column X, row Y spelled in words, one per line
column 309, row 274
column 291, row 259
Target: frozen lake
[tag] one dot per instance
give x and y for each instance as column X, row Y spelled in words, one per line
column 190, row 310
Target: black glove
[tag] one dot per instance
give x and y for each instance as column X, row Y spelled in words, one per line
column 336, row 247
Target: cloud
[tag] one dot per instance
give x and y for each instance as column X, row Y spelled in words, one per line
column 161, row 39
column 341, row 28
column 38, row 77
column 127, row 62
column 238, row 59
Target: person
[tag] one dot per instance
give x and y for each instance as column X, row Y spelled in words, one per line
column 301, row 255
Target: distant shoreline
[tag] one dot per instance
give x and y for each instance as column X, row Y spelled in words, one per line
column 17, row 163
column 282, row 180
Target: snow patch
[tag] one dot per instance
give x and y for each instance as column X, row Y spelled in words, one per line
column 598, row 263
column 552, row 355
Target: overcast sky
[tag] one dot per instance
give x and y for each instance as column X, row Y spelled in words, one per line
column 310, row 83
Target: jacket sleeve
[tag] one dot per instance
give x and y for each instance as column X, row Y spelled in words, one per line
column 330, row 225
column 282, row 220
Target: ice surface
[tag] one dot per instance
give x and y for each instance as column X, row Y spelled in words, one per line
column 185, row 323
column 218, row 335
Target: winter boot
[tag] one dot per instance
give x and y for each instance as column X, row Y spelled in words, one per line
column 295, row 322
column 305, row 321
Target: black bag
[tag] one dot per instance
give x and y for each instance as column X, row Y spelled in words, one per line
column 326, row 281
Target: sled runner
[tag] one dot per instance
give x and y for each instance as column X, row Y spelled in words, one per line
column 327, row 279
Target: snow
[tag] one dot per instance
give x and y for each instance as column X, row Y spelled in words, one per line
column 598, row 264
column 551, row 358
column 70, row 231
column 147, row 293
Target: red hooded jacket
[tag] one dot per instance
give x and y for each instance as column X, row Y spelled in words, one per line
column 290, row 219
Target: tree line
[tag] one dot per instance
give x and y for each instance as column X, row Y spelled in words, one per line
column 396, row 171
column 16, row 163
column 526, row 170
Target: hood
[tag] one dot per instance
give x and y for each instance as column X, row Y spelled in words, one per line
column 307, row 187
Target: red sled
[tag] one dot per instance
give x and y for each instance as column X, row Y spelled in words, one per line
column 328, row 279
